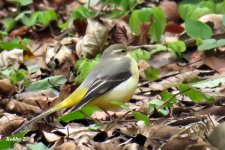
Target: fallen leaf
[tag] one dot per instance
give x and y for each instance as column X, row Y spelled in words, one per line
column 13, row 57
column 10, row 126
column 170, row 9
column 6, row 88
column 94, row 40
column 21, row 107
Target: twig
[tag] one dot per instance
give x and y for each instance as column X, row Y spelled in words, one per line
column 169, row 99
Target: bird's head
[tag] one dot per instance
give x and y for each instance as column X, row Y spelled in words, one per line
column 115, row 51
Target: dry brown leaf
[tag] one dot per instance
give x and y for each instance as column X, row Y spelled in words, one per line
column 13, row 57
column 6, row 117
column 217, row 136
column 106, row 145
column 19, row 31
column 22, row 107
column 94, row 40
column 119, row 31
column 156, row 133
column 167, row 83
column 6, row 88
column 215, row 61
column 51, row 137
column 162, row 58
column 217, row 21
column 180, row 143
column 170, row 9
column 10, row 126
column 66, row 146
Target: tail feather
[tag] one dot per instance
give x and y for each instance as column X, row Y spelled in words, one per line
column 42, row 115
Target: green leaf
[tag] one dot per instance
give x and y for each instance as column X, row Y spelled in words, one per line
column 167, row 95
column 40, row 17
column 46, row 17
column 177, row 46
column 139, row 17
column 121, row 104
column 85, row 111
column 15, row 43
column 209, row 83
column 16, row 76
column 22, row 2
column 194, row 9
column 30, row 21
column 141, row 117
column 151, row 73
column 197, row 29
column 223, row 20
column 25, row 2
column 220, row 7
column 8, row 24
column 94, row 126
column 72, row 116
column 158, row 25
column 139, row 54
column 154, row 103
column 82, row 13
column 47, row 83
column 83, row 67
column 33, row 68
column 37, row 146
column 194, row 94
column 211, row 44
column 9, row 141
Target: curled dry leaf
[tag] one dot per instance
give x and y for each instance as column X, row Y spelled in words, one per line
column 216, row 19
column 119, row 31
column 6, row 117
column 51, row 137
column 60, row 59
column 13, row 57
column 10, row 126
column 19, row 31
column 22, row 107
column 6, row 88
column 94, row 40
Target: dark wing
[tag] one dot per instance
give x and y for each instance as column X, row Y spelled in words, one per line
column 104, row 84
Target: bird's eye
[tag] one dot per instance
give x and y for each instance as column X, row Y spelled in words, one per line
column 123, row 51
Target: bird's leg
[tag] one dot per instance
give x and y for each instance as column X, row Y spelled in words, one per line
column 107, row 113
column 116, row 121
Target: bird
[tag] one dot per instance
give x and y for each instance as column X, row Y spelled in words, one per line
column 114, row 78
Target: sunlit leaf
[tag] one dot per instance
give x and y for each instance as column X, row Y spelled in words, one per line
column 158, row 25
column 37, row 146
column 53, row 81
column 197, row 29
column 211, row 44
column 151, row 73
column 141, row 117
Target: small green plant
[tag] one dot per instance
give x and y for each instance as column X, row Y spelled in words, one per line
column 15, row 43
column 15, row 76
column 153, row 16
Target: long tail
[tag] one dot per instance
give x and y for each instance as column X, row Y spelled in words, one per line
column 42, row 115
column 70, row 101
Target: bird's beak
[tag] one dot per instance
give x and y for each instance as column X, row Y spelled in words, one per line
column 130, row 48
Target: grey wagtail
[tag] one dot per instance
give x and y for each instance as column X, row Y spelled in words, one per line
column 115, row 78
